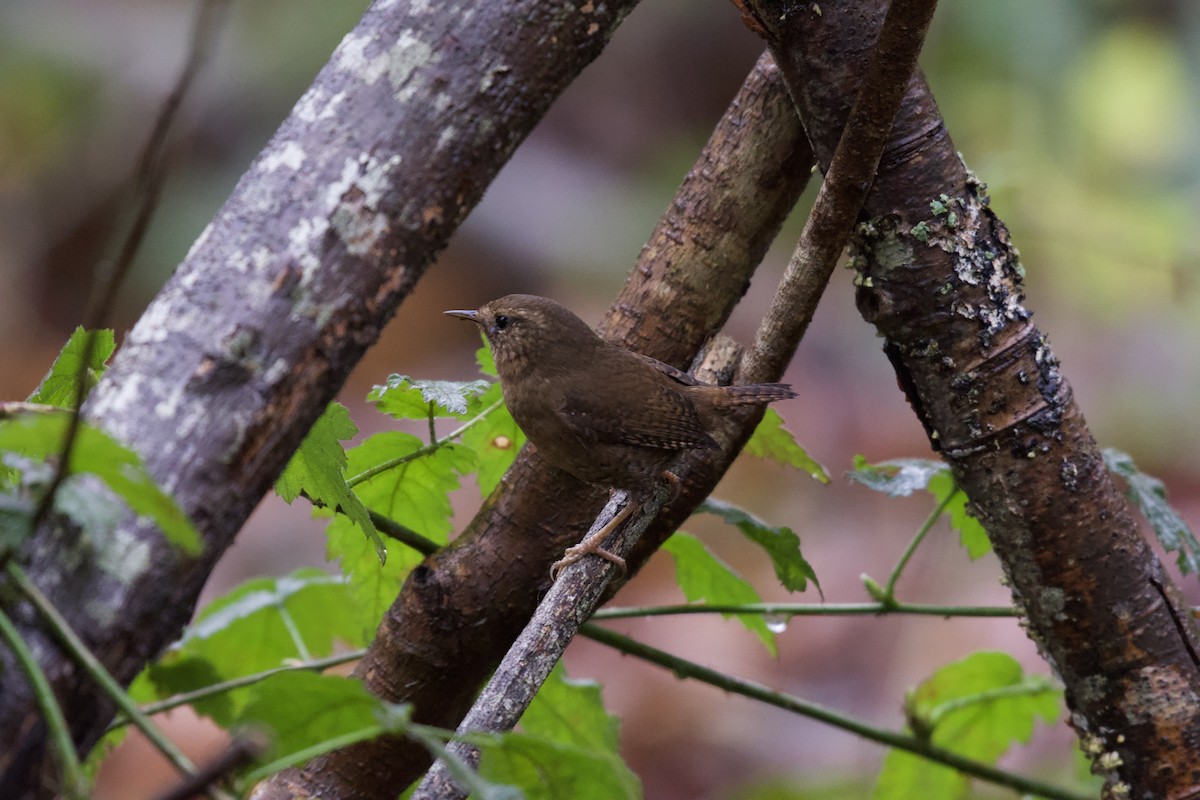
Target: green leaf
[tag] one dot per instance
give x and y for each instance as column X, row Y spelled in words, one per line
column 318, row 469
column 781, row 544
column 302, row 710
column 415, row 494
column 977, row 707
column 259, row 625
column 568, row 746
column 903, row 476
column 41, row 436
column 773, row 441
column 485, row 359
column 496, row 440
column 403, row 397
column 704, row 577
column 572, row 712
column 897, row 478
column 1150, row 496
column 58, row 387
column 970, row 533
column 550, row 770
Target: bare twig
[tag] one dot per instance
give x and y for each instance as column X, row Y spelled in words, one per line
column 533, row 655
column 241, row 751
column 842, row 193
column 146, row 186
column 901, row 741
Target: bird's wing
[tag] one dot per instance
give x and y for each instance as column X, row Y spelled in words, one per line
column 686, row 378
column 664, row 419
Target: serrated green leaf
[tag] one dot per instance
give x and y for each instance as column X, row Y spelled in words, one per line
column 303, row 709
column 177, row 674
column 496, row 440
column 41, row 436
column 977, row 707
column 905, row 775
column 548, row 770
column 572, row 712
column 970, row 533
column 372, row 585
column 567, row 724
column 58, row 387
column 1150, row 496
column 415, row 494
column 403, row 397
column 773, row 441
column 781, row 544
column 903, row 476
column 260, row 625
column 318, row 469
column 704, row 577
column 897, row 478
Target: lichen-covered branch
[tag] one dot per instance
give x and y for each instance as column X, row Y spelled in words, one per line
column 939, row 278
column 324, row 236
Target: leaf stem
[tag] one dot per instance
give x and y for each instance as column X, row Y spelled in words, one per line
column 187, row 698
column 366, row 475
column 74, row 780
column 689, row 669
column 890, row 589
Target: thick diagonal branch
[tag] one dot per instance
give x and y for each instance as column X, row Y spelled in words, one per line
column 324, row 236
column 939, row 278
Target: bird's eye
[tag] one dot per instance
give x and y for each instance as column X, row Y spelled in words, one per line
column 501, row 321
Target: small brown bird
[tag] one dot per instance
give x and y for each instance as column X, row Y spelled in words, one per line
column 605, row 414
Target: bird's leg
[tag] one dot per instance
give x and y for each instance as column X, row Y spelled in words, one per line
column 591, row 544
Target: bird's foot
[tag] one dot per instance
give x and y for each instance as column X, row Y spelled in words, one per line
column 577, row 552
column 674, row 484
column 591, row 546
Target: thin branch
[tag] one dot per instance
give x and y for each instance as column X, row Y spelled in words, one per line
column 84, row 658
column 241, row 751
column 807, row 610
column 214, row 689
column 689, row 669
column 570, row 601
column 147, row 185
column 434, row 445
column 889, row 590
column 403, row 534
column 74, row 781
column 843, row 191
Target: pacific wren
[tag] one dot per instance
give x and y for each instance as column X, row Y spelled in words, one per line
column 604, row 414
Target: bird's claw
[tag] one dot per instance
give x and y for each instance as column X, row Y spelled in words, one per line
column 578, row 551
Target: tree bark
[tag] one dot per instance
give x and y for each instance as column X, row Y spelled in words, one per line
column 939, row 278
column 459, row 611
column 324, row 236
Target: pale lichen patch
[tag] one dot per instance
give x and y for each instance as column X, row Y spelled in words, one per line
column 355, row 198
column 317, row 104
column 289, row 155
column 403, row 59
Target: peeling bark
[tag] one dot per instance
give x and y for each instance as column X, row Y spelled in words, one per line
column 324, row 236
column 939, row 278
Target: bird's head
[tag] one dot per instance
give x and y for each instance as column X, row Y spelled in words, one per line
column 525, row 329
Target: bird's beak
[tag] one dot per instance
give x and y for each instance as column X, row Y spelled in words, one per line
column 471, row 315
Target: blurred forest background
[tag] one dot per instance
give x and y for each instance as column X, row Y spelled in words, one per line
column 1083, row 116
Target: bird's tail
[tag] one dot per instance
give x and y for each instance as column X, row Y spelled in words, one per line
column 754, row 394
